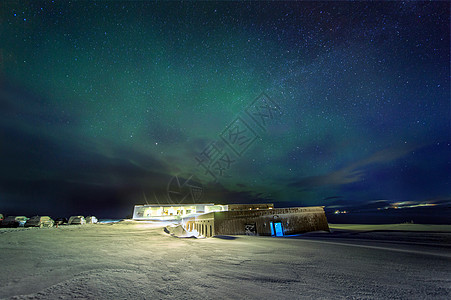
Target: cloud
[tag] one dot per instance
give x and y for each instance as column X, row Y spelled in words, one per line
column 354, row 172
column 224, row 195
column 333, row 197
column 47, row 161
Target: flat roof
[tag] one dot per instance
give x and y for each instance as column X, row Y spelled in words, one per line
column 193, row 204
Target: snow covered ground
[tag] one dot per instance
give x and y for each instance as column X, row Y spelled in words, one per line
column 130, row 260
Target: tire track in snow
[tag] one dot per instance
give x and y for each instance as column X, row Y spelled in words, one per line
column 352, row 244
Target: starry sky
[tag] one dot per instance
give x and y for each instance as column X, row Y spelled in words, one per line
column 108, row 104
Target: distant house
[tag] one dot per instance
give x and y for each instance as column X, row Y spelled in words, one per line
column 234, row 219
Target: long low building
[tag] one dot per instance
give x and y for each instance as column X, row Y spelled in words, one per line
column 235, row 219
column 269, row 222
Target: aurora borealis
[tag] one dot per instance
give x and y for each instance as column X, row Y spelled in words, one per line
column 101, row 103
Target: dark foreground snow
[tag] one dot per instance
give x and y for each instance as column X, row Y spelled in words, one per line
column 139, row 261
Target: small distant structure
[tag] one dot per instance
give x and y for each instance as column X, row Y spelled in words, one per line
column 76, row 220
column 237, row 219
column 91, row 220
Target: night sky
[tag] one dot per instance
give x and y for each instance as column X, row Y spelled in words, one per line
column 339, row 104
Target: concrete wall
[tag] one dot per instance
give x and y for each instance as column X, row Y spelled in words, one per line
column 205, row 224
column 294, row 220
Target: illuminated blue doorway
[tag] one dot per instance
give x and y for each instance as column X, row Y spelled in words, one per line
column 276, row 229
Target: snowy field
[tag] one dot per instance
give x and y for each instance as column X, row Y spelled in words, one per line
column 127, row 260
